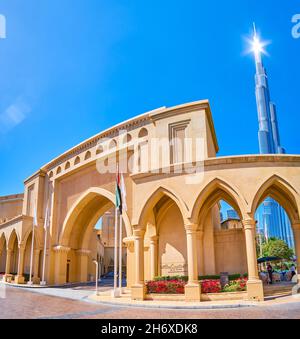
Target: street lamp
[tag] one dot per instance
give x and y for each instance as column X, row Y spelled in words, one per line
column 97, row 269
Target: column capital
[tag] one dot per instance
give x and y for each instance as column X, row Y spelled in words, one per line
column 138, row 232
column 153, row 239
column 129, row 242
column 61, row 249
column 21, row 247
column 9, row 250
column 249, row 224
column 191, row 228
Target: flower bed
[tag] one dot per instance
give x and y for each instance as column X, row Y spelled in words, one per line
column 166, row 286
column 176, row 286
column 210, row 286
column 238, row 285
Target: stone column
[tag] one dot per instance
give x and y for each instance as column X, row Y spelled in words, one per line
column 8, row 261
column 138, row 290
column 61, row 255
column 192, row 289
column 36, row 263
column 254, row 286
column 200, row 252
column 19, row 278
column 296, row 232
column 82, row 260
column 153, row 256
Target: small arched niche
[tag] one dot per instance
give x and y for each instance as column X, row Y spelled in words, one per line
column 88, row 155
column 143, row 133
column 77, row 161
column 68, row 165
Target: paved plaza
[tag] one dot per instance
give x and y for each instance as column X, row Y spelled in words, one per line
column 74, row 303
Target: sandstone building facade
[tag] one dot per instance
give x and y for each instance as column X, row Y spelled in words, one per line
column 172, row 224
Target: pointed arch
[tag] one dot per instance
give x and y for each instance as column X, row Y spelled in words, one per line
column 37, row 240
column 151, row 201
column 14, row 236
column 280, row 190
column 216, row 190
column 68, row 165
column 89, row 202
column 3, row 252
column 3, row 241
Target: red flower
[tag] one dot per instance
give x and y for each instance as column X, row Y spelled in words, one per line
column 210, row 286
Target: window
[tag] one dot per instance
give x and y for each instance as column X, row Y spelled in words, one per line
column 177, row 135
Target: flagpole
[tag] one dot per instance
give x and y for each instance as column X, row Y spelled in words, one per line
column 115, row 253
column 120, row 255
column 43, row 282
column 31, row 255
column 124, row 209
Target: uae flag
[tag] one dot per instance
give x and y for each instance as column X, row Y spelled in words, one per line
column 118, row 191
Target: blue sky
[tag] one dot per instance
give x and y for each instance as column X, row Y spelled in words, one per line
column 71, row 68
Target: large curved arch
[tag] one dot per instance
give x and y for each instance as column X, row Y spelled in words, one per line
column 218, row 189
column 280, row 190
column 80, row 204
column 154, row 198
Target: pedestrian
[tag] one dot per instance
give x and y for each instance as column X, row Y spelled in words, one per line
column 270, row 272
column 293, row 271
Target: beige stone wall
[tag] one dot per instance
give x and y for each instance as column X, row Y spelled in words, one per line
column 10, row 207
column 230, row 251
column 172, row 254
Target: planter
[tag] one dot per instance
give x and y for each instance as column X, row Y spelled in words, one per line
column 224, row 296
column 165, row 297
column 204, row 296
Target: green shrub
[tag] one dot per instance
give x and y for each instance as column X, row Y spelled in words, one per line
column 236, row 285
column 175, row 277
column 209, row 277
column 234, row 276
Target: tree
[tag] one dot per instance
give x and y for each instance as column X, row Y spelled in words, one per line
column 277, row 248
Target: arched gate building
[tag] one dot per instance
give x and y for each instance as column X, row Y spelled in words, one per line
column 172, row 224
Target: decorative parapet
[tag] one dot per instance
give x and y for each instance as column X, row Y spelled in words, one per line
column 12, row 197
column 129, row 125
column 15, row 220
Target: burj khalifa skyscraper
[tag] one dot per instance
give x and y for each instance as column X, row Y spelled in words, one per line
column 274, row 221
